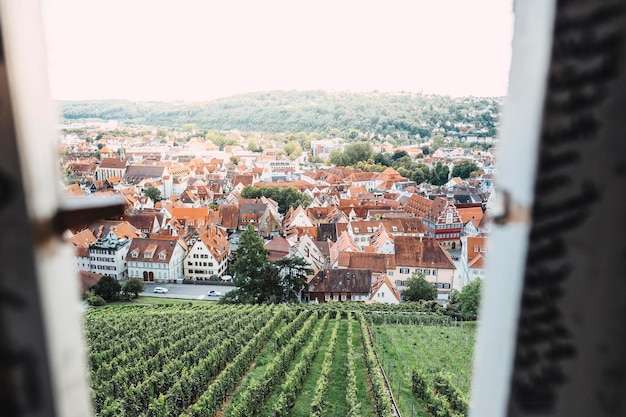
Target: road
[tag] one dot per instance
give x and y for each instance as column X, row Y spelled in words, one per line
column 186, row 291
column 456, row 254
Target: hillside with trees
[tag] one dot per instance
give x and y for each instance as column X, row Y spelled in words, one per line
column 405, row 116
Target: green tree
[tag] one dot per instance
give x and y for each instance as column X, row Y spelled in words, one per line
column 153, row 192
column 469, row 300
column 251, row 258
column 107, row 287
column 419, row 289
column 234, row 160
column 133, row 286
column 439, row 174
column 464, row 169
column 293, row 271
column 161, row 132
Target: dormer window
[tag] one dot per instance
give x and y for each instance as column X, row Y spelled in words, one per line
column 161, row 255
column 134, row 254
column 369, row 230
column 356, row 230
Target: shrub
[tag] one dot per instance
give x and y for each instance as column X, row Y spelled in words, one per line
column 96, row 301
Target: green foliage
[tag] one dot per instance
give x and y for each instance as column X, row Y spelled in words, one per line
column 153, row 193
column 133, row 286
column 419, row 289
column 251, row 257
column 407, row 118
column 161, row 132
column 440, row 174
column 469, row 300
column 96, row 301
column 352, row 154
column 285, row 197
column 219, row 139
column 266, row 283
column 464, row 169
column 107, row 287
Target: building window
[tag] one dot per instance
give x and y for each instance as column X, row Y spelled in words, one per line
column 404, row 270
column 327, row 298
column 434, row 272
column 426, row 271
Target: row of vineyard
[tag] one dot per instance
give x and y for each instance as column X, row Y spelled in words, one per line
column 428, row 367
column 215, row 360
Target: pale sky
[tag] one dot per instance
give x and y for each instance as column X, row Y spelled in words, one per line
column 204, row 49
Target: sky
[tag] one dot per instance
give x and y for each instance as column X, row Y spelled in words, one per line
column 195, row 50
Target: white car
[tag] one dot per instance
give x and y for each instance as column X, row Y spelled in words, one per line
column 214, row 293
column 160, row 290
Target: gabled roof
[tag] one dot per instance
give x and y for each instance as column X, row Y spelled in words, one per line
column 384, row 279
column 135, row 173
column 88, row 280
column 424, row 252
column 83, row 239
column 119, row 228
column 476, row 247
column 229, row 216
column 216, row 242
column 143, row 221
column 341, row 281
column 114, row 163
column 473, row 214
column 150, row 250
column 278, row 248
column 375, row 262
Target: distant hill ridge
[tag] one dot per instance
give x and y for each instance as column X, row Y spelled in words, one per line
column 300, row 111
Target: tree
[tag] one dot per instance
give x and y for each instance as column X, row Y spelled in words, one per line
column 439, row 174
column 161, row 132
column 234, row 160
column 419, row 289
column 464, row 169
column 133, row 286
column 251, row 257
column 469, row 300
column 293, row 271
column 107, row 287
column 153, row 192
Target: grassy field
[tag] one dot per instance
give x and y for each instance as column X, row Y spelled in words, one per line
column 402, row 348
column 157, row 356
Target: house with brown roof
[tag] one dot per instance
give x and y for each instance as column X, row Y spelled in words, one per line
column 88, row 280
column 441, row 219
column 378, row 263
column 229, row 216
column 417, row 254
column 111, row 167
column 262, row 214
column 278, row 248
column 156, row 260
column 208, row 255
column 148, row 223
column 338, row 285
column 471, row 218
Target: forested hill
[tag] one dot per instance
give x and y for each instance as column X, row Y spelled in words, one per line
column 303, row 111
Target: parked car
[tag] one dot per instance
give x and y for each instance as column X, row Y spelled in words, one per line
column 160, row 290
column 214, row 293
